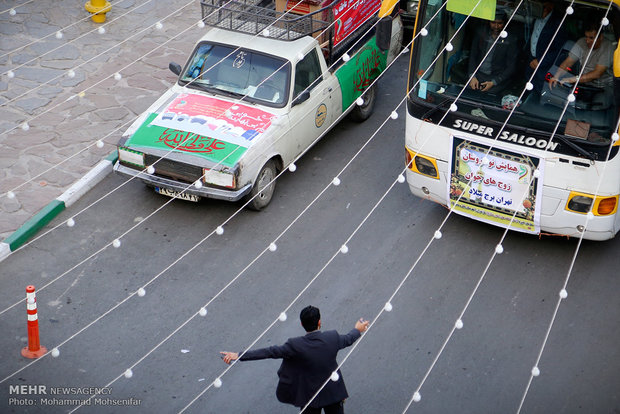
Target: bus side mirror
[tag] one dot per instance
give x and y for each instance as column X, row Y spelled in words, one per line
column 174, row 68
column 384, row 33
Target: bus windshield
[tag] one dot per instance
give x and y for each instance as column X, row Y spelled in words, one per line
column 529, row 57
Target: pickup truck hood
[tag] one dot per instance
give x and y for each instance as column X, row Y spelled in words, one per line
column 203, row 126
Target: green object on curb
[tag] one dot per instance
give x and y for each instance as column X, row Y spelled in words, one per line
column 36, row 223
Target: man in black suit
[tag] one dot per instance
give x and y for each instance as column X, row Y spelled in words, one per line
column 496, row 71
column 308, row 361
column 543, row 32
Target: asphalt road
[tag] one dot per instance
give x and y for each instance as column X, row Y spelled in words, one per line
column 484, row 368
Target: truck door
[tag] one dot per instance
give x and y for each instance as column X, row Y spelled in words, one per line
column 312, row 117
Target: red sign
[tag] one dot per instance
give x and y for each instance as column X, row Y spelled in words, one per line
column 351, row 14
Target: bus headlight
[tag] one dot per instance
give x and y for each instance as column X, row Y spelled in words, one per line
column 219, row 178
column 132, row 157
column 421, row 164
column 600, row 205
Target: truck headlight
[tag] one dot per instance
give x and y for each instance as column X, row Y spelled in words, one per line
column 129, row 156
column 219, row 178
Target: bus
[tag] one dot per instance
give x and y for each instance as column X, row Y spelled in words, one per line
column 512, row 118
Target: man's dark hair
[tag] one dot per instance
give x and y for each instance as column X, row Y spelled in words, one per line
column 310, row 318
column 593, row 23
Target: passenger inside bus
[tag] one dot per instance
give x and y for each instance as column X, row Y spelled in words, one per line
column 496, row 70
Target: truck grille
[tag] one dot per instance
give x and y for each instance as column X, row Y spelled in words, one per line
column 175, row 170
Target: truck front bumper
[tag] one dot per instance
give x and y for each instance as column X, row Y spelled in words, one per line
column 162, row 182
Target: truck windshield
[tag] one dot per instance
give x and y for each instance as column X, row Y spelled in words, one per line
column 491, row 75
column 226, row 70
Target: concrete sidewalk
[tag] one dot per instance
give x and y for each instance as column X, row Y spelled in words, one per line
column 56, row 156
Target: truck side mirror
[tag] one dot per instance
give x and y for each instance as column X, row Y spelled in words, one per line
column 301, row 98
column 384, row 33
column 174, row 68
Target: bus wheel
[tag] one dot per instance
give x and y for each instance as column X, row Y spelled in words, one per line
column 262, row 191
column 362, row 112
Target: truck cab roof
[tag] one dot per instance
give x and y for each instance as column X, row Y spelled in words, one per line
column 287, row 49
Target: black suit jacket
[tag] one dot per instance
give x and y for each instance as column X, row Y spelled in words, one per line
column 504, row 60
column 308, row 361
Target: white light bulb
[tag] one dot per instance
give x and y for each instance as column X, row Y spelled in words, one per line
column 10, row 195
column 25, row 126
column 150, row 169
column 458, row 324
column 535, row 371
column 344, row 249
column 30, row 300
column 449, row 47
column 563, row 294
column 334, row 377
column 417, row 397
column 300, row 56
column 159, row 25
column 292, row 167
column 202, row 312
column 394, row 115
column 499, row 249
column 529, row 86
column 503, row 34
column 336, row 181
column 424, row 32
column 12, row 12
column 615, row 136
column 359, row 101
column 70, row 222
column 590, row 215
column 128, row 373
column 101, row 30
column 437, row 234
column 117, row 76
column 55, row 352
column 346, row 57
column 282, row 317
column 10, row 74
column 453, row 107
column 217, row 383
column 200, row 24
column 99, row 144
column 536, row 173
column 273, row 247
column 141, row 292
column 388, row 307
column 219, row 230
column 116, row 243
column 266, row 32
column 59, row 35
column 570, row 10
column 605, row 21
column 571, row 98
column 401, row 178
column 198, row 184
column 71, row 73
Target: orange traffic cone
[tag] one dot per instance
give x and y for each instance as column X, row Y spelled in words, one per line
column 34, row 348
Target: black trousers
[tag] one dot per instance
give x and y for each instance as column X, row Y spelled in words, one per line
column 337, row 408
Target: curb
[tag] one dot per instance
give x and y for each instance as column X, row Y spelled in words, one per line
column 54, row 208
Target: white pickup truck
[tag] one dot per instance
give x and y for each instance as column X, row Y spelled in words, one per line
column 261, row 86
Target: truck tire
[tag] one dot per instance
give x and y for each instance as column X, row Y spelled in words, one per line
column 262, row 191
column 362, row 112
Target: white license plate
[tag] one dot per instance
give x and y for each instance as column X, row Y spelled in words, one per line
column 180, row 196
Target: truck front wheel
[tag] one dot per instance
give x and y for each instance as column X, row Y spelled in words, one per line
column 362, row 112
column 264, row 187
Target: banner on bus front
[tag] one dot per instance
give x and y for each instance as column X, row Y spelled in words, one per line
column 496, row 186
